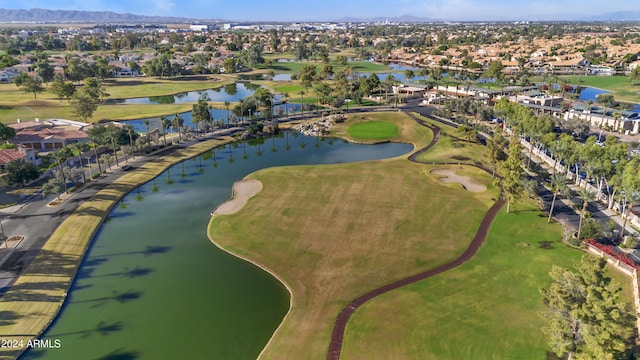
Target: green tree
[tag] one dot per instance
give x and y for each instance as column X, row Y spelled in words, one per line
column 585, row 315
column 200, row 112
column 586, row 196
column 177, row 123
column 229, row 65
column 44, row 71
column 61, row 155
column 20, row 171
column 83, row 106
column 6, row 132
column 409, row 74
column 94, row 90
column 494, row 70
column 494, row 153
column 634, row 76
column 308, row 75
column 61, row 88
column 558, row 186
column 166, row 125
column 54, row 186
column 29, row 84
column 78, row 149
column 97, row 138
column 631, row 187
column 146, row 123
column 606, row 99
column 512, row 173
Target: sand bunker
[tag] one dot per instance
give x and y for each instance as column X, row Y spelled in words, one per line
column 467, row 182
column 242, row 192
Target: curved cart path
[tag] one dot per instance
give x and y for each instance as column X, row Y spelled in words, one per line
column 337, row 336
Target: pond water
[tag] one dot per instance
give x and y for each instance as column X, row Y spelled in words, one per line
column 217, row 114
column 282, row 77
column 232, row 92
column 403, row 67
column 153, row 286
column 589, row 93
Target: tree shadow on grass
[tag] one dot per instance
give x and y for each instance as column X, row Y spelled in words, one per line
column 8, row 317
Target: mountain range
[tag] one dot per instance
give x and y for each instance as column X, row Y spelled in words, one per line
column 75, row 16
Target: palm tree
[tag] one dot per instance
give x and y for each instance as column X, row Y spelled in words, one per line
column 129, row 129
column 286, row 104
column 146, row 123
column 559, row 186
column 111, row 136
column 302, row 102
column 79, row 148
column 586, row 196
column 61, row 155
column 177, row 123
column 226, row 105
column 166, row 124
column 632, row 199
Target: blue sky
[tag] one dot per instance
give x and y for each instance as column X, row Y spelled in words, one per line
column 287, row 10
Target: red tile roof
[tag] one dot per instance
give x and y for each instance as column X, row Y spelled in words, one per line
column 9, row 155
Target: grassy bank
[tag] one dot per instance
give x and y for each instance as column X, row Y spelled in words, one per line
column 36, row 297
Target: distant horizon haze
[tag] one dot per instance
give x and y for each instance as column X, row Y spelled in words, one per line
column 333, row 10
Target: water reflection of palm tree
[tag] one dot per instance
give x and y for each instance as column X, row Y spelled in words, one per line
column 139, row 196
column 259, row 152
column 230, row 155
column 302, row 144
column 183, row 175
column 286, row 136
column 169, row 180
column 244, row 150
column 317, row 144
column 213, row 156
column 273, row 144
column 155, row 187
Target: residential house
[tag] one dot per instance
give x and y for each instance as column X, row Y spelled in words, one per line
column 21, row 152
column 49, row 135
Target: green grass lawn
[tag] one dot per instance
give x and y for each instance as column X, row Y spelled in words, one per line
column 53, row 109
column 452, row 148
column 289, row 87
column 485, row 309
column 373, row 131
column 330, row 244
